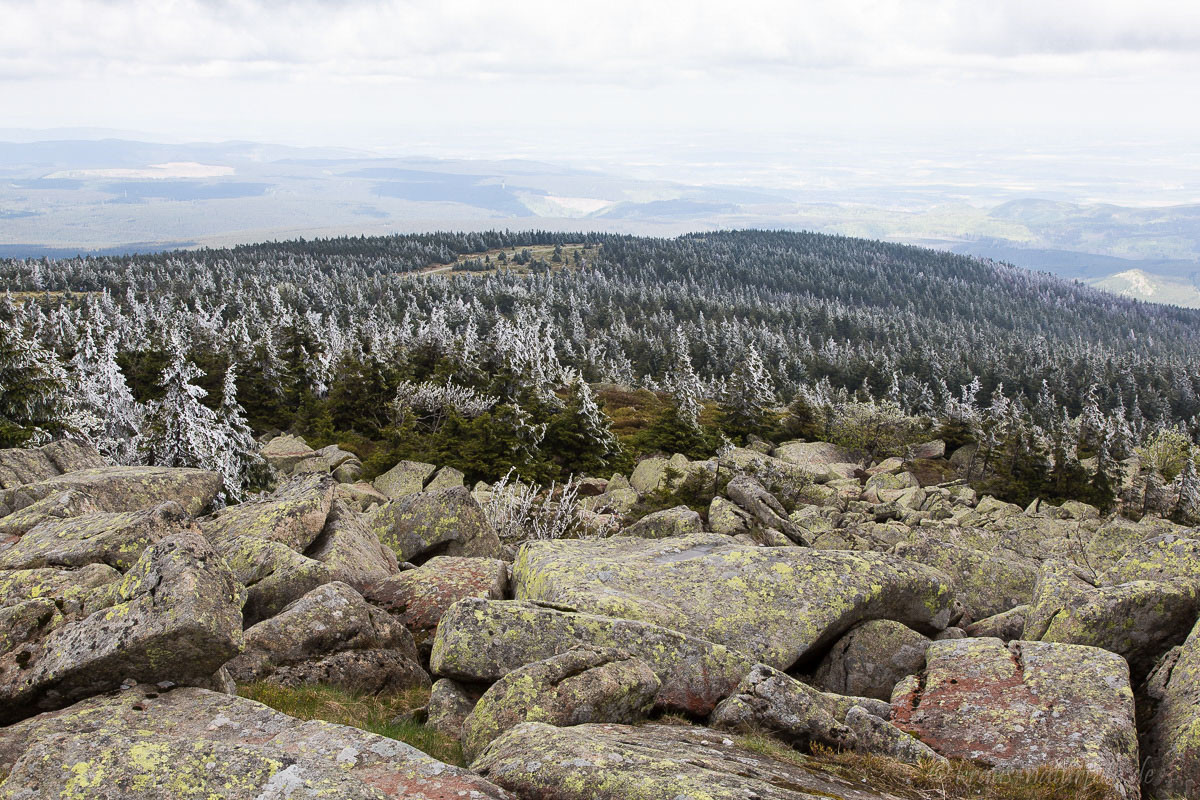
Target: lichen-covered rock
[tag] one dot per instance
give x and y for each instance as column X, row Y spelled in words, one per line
column 1026, row 705
column 1111, row 540
column 931, row 449
column 675, row 521
column 1006, row 626
column 874, row 734
column 572, row 688
column 986, row 582
column 19, row 466
column 483, row 640
column 116, row 539
column 273, row 573
column 348, row 472
column 419, row 597
column 1161, row 558
column 176, row 615
column 1139, row 620
column 651, row 762
column 727, row 517
column 871, row 658
column 1173, row 736
column 445, row 522
column 816, row 457
column 370, row 671
column 69, row 456
column 618, row 500
column 284, row 452
column 407, row 477
column 450, row 702
column 303, row 640
column 767, row 699
column 293, row 515
column 882, row 482
column 649, row 475
column 1080, row 510
column 360, row 496
column 775, row 604
column 351, row 551
column 54, row 507
column 335, row 456
column 445, row 478
column 26, row 621
column 154, row 745
column 751, row 497
column 67, row 588
column 125, row 488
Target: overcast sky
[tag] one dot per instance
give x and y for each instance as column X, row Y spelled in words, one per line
column 570, row 75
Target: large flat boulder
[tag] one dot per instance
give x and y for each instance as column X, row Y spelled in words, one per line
column 446, row 522
column 481, row 641
column 19, row 466
column 986, row 582
column 822, row 460
column 578, row 686
column 68, row 588
column 768, row 699
column 175, row 616
column 774, row 604
column 156, row 745
column 53, row 507
column 651, row 762
column 27, row 620
column 125, row 488
column 675, row 521
column 116, row 539
column 1026, row 705
column 273, row 573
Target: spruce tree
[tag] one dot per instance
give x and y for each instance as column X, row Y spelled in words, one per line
column 237, row 455
column 109, row 415
column 677, row 428
column 181, row 431
column 35, row 405
column 580, row 434
column 748, row 398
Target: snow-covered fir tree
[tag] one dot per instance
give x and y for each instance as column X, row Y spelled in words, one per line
column 109, row 416
column 181, row 431
column 749, row 396
column 36, row 401
column 236, row 453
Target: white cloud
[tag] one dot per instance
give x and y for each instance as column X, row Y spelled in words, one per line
column 399, row 71
column 614, row 40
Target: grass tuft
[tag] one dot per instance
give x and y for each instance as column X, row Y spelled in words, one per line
column 373, row 713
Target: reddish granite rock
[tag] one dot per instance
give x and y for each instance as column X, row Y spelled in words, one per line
column 419, row 597
column 1025, row 705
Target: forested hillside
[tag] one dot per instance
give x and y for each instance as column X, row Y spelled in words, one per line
column 494, row 360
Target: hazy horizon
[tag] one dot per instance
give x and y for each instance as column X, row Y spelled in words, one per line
column 920, row 121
